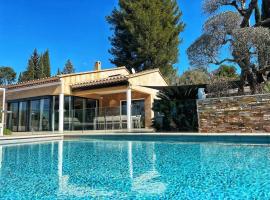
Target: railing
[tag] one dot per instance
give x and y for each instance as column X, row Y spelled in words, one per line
column 102, row 118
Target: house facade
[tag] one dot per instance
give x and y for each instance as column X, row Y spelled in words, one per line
column 107, row 99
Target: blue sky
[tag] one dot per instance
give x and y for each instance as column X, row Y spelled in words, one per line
column 72, row 29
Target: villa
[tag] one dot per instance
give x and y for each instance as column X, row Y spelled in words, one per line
column 103, row 99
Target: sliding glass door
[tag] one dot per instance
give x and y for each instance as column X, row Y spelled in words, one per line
column 34, row 115
column 79, row 113
column 23, row 108
column 13, row 116
column 137, row 109
column 44, row 122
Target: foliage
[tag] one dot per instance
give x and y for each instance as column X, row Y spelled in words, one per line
column 7, row 131
column 69, row 68
column 224, row 71
column 146, row 35
column 266, row 87
column 221, row 86
column 7, row 75
column 20, row 78
column 46, row 64
column 38, row 67
column 59, row 71
column 194, row 77
column 174, row 113
column 248, row 44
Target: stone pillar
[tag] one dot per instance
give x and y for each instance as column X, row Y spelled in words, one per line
column 129, row 122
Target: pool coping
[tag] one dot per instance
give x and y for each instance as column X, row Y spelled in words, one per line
column 15, row 139
column 258, row 138
column 146, row 136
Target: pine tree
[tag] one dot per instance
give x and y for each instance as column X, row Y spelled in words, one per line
column 46, row 64
column 69, row 68
column 20, row 78
column 58, row 71
column 146, row 35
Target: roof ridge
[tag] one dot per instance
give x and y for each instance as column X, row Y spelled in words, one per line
column 101, row 79
column 30, row 81
column 94, row 71
column 144, row 72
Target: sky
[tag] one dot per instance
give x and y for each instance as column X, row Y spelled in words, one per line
column 73, row 29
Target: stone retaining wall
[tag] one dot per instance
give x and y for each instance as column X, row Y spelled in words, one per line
column 245, row 114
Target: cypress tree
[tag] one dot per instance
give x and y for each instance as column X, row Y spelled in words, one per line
column 36, row 64
column 41, row 67
column 58, row 71
column 20, row 78
column 29, row 74
column 146, row 35
column 46, row 64
column 38, row 67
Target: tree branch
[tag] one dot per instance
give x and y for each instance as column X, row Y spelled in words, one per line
column 240, row 10
column 264, row 23
column 222, row 61
column 251, row 7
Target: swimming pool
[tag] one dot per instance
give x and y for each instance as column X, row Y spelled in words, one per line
column 106, row 169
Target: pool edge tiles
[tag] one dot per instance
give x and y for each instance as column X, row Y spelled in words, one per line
column 250, row 139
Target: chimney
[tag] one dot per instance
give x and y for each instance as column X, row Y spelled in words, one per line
column 97, row 66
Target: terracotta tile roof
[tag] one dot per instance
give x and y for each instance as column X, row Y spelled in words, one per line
column 32, row 83
column 100, row 82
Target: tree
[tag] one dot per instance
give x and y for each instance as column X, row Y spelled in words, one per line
column 29, row 74
column 46, row 64
column 176, row 109
column 20, row 78
column 58, row 71
column 194, row 77
column 228, row 71
column 248, row 44
column 68, row 69
column 41, row 66
column 146, row 35
column 38, row 67
column 35, row 60
column 7, row 75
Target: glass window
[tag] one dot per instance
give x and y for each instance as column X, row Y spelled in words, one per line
column 44, row 124
column 78, row 119
column 90, row 113
column 13, row 117
column 34, row 115
column 23, row 122
column 55, row 113
column 137, row 109
column 68, row 106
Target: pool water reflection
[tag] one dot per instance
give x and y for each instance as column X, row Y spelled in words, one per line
column 95, row 169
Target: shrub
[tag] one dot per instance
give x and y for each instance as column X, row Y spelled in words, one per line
column 7, row 131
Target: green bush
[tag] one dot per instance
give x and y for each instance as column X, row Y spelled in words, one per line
column 176, row 111
column 7, row 131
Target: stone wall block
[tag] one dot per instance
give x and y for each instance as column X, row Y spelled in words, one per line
column 245, row 114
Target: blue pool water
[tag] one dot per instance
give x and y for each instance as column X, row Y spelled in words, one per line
column 95, row 169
